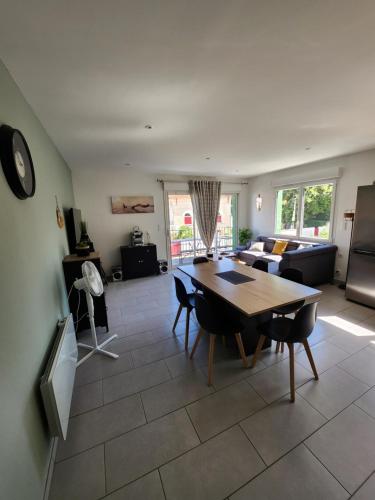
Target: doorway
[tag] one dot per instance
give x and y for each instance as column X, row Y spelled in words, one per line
column 183, row 239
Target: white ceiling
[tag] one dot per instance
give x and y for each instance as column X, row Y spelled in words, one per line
column 249, row 83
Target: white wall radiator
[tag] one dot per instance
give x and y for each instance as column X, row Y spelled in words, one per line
column 58, row 379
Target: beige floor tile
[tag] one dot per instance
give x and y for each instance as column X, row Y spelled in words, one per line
column 86, row 398
column 230, row 371
column 99, row 367
column 213, row 470
column 270, row 357
column 80, row 478
column 99, row 425
column 181, row 364
column 135, row 380
column 361, row 365
column 367, row 402
column 274, row 382
column 221, row 410
column 132, row 455
column 298, row 475
column 334, row 391
column 346, row 446
column 351, row 343
column 325, row 354
column 278, row 428
column 148, row 487
column 174, row 394
column 356, row 312
column 132, row 342
column 160, row 350
column 367, row 491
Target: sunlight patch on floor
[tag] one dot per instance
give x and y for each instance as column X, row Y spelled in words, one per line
column 348, row 326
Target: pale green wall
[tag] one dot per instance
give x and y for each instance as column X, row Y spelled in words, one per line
column 32, row 299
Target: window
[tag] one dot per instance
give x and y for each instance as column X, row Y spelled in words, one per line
column 287, row 201
column 317, row 205
column 188, row 219
column 184, row 239
column 305, row 211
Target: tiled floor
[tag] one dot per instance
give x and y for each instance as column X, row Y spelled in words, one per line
column 147, row 426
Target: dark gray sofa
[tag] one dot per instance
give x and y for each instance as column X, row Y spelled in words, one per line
column 317, row 262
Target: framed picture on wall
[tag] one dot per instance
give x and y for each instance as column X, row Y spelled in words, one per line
column 132, row 204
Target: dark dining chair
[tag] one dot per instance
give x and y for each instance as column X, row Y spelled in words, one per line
column 260, row 264
column 214, row 323
column 291, row 331
column 295, row 275
column 198, row 260
column 186, row 300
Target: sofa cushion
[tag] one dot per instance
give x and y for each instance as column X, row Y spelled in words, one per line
column 272, row 257
column 268, row 243
column 257, row 246
column 254, row 253
column 292, row 245
column 279, row 247
column 301, row 246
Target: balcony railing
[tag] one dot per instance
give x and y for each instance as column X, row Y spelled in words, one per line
column 183, row 250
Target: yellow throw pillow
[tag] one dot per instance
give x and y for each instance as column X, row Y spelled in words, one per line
column 279, row 247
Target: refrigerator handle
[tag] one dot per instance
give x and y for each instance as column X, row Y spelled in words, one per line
column 370, row 253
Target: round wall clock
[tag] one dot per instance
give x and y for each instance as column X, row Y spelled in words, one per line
column 17, row 163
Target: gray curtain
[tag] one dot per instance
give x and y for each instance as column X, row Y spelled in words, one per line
column 205, row 197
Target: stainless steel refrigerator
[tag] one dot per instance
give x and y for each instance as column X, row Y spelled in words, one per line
column 360, row 284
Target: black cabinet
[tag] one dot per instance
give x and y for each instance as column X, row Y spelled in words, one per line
column 138, row 261
column 72, row 270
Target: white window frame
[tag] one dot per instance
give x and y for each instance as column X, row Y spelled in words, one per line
column 183, row 190
column 301, row 207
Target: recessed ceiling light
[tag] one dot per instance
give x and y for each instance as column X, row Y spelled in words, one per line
column 127, row 164
column 149, row 127
column 308, row 148
column 208, row 158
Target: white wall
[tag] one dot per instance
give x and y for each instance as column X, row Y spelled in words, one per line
column 356, row 170
column 93, row 189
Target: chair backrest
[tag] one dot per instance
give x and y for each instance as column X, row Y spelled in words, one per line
column 304, row 321
column 262, row 265
column 181, row 292
column 200, row 260
column 292, row 274
column 207, row 317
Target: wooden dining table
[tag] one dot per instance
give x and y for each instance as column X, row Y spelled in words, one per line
column 263, row 293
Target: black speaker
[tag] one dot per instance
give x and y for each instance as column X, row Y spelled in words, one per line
column 163, row 266
column 117, row 273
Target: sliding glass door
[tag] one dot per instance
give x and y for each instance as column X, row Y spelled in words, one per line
column 183, row 238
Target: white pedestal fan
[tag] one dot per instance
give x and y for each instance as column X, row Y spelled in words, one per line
column 92, row 285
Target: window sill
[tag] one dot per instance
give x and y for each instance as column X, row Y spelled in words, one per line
column 301, row 239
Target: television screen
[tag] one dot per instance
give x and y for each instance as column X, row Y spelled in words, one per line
column 73, row 228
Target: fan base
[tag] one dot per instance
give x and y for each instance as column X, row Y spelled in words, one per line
column 97, row 350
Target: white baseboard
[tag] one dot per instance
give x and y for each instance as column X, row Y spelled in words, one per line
column 51, row 464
